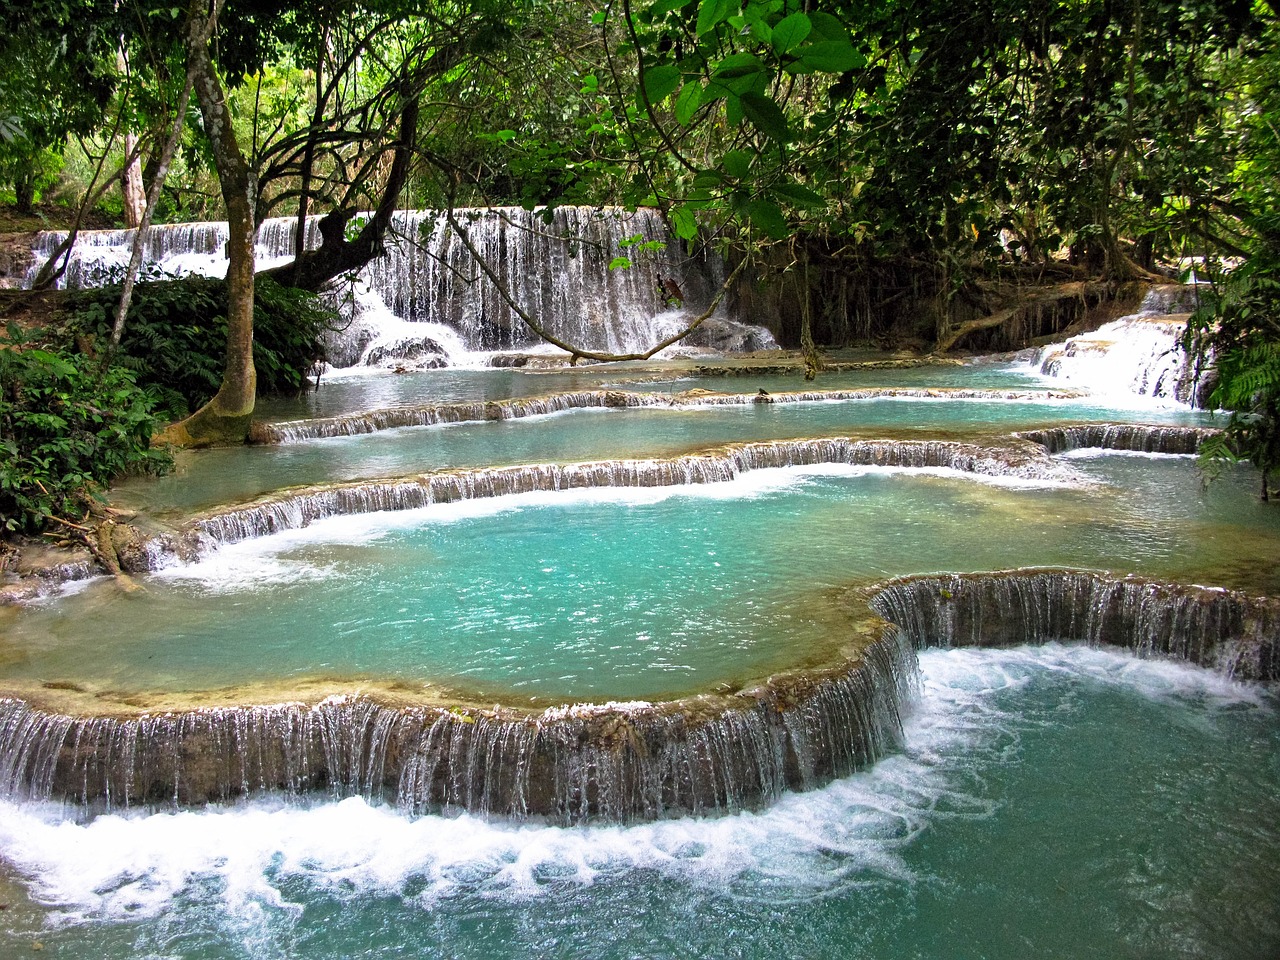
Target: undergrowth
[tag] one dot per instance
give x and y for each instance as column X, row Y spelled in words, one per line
column 67, row 428
column 175, row 336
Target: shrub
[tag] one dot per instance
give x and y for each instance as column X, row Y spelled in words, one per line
column 66, row 430
column 1239, row 327
column 175, row 336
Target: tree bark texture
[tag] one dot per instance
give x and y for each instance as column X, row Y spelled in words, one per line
column 225, row 418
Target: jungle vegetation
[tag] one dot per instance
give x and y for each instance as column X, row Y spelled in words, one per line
column 964, row 156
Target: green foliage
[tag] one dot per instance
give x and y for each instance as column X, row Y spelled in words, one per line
column 934, row 131
column 1241, row 327
column 55, row 79
column 66, row 430
column 175, row 336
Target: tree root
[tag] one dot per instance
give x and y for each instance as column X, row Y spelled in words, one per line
column 1076, row 289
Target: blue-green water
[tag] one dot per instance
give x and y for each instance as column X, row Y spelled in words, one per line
column 624, row 594
column 352, row 392
column 217, row 476
column 1049, row 802
column 1053, row 802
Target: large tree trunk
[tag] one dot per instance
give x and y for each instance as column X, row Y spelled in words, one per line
column 225, row 418
column 133, row 191
column 143, row 224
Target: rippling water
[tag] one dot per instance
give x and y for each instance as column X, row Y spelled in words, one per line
column 623, row 594
column 1049, row 802
column 204, row 478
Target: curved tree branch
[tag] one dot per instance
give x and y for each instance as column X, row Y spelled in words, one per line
column 579, row 353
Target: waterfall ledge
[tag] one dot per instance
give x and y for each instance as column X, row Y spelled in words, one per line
column 711, row 753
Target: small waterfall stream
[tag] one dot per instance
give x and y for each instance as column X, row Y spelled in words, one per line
column 420, row 415
column 619, row 762
column 1224, row 630
column 1134, row 437
column 1139, row 355
column 614, row 763
column 296, row 509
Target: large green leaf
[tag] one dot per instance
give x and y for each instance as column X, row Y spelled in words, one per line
column 688, row 102
column 738, row 65
column 791, row 31
column 711, row 13
column 737, row 163
column 830, row 56
column 660, row 82
column 827, row 27
column 767, row 116
column 798, row 195
column 766, row 216
column 684, row 223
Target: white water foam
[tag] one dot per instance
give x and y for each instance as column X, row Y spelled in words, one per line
column 1099, row 453
column 386, row 343
column 854, row 832
column 558, row 265
column 1135, row 362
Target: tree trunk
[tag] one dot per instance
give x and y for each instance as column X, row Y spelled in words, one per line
column 131, row 187
column 143, row 225
column 225, row 418
column 24, row 188
column 133, row 193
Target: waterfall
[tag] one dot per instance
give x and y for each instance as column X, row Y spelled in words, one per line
column 296, row 509
column 601, row 279
column 620, row 762
column 177, row 249
column 422, row 415
column 1137, row 437
column 614, row 763
column 555, row 264
column 1139, row 355
column 1221, row 629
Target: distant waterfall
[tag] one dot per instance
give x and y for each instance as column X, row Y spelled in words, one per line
column 100, row 257
column 601, row 279
column 556, row 266
column 1139, row 355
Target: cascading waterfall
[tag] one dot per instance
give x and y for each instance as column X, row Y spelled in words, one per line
column 178, row 249
column 570, row 764
column 297, row 509
column 422, row 415
column 618, row 762
column 563, row 267
column 1138, row 355
column 1134, row 437
column 1225, row 630
column 554, row 264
